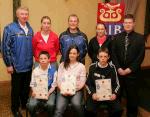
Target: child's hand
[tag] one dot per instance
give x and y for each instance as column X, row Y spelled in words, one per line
column 46, row 98
column 113, row 97
column 49, row 93
column 95, row 97
column 33, row 94
column 66, row 94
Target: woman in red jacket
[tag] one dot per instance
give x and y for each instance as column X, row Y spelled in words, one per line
column 46, row 40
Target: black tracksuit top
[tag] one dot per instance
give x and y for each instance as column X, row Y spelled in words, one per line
column 96, row 72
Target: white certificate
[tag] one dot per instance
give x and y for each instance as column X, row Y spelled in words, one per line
column 41, row 87
column 103, row 89
column 68, row 84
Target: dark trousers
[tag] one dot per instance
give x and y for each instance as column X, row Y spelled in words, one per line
column 129, row 88
column 20, row 90
column 113, row 107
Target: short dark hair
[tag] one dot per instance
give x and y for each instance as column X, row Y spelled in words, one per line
column 103, row 49
column 45, row 53
column 129, row 16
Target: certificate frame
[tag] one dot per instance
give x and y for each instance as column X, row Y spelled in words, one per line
column 41, row 87
column 68, row 85
column 103, row 89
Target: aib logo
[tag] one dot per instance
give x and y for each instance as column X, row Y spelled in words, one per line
column 112, row 16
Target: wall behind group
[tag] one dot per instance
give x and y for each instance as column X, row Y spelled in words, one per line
column 59, row 10
column 6, row 12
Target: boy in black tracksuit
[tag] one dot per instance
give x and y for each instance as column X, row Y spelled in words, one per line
column 103, row 70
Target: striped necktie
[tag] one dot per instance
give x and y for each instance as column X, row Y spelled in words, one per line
column 126, row 45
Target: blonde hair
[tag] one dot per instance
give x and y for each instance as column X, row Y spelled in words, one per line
column 45, row 17
column 22, row 8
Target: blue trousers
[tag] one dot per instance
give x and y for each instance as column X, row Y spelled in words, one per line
column 63, row 101
column 33, row 104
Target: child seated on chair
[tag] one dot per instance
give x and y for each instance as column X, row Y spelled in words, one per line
column 70, row 82
column 99, row 71
column 43, row 95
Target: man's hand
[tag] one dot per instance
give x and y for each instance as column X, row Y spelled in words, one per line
column 124, row 72
column 10, row 70
column 121, row 72
column 128, row 71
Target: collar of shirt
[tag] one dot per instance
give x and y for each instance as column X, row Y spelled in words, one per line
column 49, row 66
column 130, row 33
column 101, row 40
column 45, row 37
column 25, row 28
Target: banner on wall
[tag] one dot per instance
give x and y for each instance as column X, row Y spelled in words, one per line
column 111, row 14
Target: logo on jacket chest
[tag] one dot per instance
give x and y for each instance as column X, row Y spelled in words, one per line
column 99, row 75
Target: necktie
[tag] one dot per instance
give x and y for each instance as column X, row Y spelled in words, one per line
column 126, row 45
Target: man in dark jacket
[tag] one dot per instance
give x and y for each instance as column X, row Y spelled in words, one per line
column 73, row 36
column 128, row 50
column 18, row 57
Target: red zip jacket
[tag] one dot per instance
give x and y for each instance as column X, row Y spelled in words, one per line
column 52, row 45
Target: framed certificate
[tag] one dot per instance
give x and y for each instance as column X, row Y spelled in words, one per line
column 103, row 89
column 41, row 87
column 68, row 85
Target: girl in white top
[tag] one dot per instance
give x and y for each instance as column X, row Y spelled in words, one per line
column 70, row 68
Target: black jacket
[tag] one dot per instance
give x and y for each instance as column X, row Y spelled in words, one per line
column 94, row 47
column 135, row 51
column 96, row 72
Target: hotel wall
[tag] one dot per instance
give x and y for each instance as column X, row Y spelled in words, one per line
column 6, row 12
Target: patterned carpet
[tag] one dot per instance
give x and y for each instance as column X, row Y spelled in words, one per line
column 5, row 103
column 5, row 99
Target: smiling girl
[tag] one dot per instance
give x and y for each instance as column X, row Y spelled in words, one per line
column 71, row 67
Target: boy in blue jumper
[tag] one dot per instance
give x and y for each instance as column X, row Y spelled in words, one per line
column 44, row 70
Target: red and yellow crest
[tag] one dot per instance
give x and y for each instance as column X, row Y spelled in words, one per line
column 110, row 12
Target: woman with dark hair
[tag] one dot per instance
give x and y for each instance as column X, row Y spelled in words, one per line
column 100, row 40
column 70, row 81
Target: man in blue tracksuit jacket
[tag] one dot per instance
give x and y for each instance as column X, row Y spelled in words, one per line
column 73, row 36
column 17, row 55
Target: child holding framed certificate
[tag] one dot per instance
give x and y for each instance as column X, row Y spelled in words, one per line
column 70, row 82
column 43, row 85
column 103, row 85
